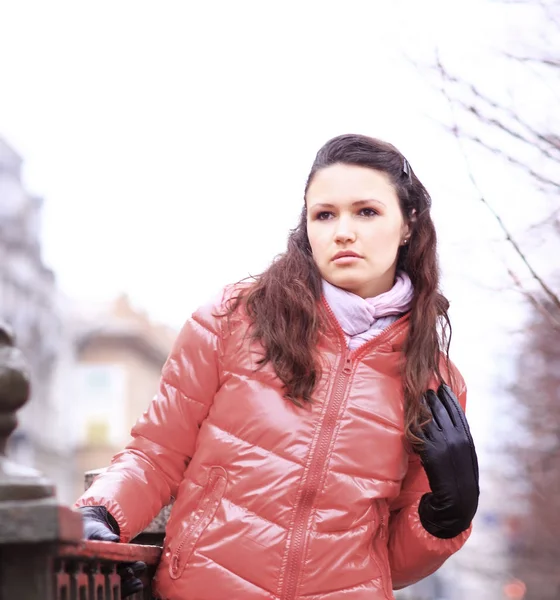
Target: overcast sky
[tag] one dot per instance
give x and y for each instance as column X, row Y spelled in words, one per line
column 171, row 142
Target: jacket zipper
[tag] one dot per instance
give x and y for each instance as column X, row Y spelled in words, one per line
column 297, row 546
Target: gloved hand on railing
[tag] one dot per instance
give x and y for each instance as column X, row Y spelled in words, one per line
column 449, row 459
column 100, row 525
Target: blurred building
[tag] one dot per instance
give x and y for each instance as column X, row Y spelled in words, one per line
column 30, row 303
column 93, row 371
column 119, row 354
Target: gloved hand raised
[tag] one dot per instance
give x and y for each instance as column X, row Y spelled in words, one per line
column 449, row 458
column 100, row 525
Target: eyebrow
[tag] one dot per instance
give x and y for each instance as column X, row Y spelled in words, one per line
column 356, row 203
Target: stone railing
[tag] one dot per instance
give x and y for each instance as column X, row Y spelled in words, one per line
column 42, row 553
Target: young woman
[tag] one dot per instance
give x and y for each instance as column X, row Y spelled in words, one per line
column 309, row 425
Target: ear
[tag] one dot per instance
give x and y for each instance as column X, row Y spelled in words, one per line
column 405, row 234
column 407, row 227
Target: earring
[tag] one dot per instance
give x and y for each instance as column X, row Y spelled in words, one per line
column 405, row 241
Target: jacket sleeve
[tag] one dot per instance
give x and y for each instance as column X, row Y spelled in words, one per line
column 145, row 476
column 413, row 552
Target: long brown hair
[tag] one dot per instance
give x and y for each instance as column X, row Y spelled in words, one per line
column 283, row 303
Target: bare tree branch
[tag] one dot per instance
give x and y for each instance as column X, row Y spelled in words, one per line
column 500, row 124
column 548, row 62
column 534, row 301
column 509, row 237
column 547, row 139
column 551, row 220
column 511, row 159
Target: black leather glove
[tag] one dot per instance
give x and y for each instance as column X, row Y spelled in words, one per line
column 100, row 525
column 449, row 458
column 129, row 574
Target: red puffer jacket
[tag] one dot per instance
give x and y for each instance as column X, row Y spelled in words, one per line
column 273, row 501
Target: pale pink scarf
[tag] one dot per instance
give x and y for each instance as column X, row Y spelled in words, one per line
column 362, row 319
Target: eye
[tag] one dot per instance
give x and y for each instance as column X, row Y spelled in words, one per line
column 323, row 215
column 368, row 212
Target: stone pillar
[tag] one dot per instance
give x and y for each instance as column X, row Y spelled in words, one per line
column 32, row 524
column 16, row 482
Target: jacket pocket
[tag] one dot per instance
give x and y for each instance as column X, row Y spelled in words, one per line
column 380, row 554
column 199, row 520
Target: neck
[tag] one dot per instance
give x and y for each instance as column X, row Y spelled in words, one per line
column 377, row 287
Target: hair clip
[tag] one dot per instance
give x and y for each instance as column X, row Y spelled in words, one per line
column 406, row 169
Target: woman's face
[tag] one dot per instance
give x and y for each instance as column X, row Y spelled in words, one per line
column 355, row 227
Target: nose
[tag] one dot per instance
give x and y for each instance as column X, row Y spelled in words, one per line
column 344, row 232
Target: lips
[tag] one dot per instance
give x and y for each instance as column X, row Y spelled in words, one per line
column 346, row 254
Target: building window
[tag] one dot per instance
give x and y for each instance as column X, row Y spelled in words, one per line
column 100, row 404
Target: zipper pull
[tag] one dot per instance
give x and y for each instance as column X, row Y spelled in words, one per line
column 382, row 527
column 175, row 563
column 347, row 369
